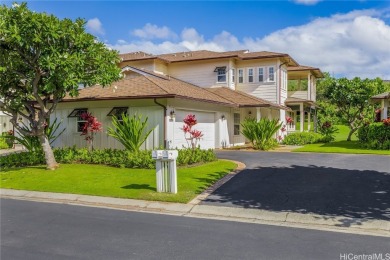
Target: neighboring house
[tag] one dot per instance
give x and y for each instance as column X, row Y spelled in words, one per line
column 220, row 88
column 384, row 100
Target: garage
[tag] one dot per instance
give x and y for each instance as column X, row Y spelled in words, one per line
column 206, row 124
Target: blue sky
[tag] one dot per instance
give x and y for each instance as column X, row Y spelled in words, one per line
column 346, row 38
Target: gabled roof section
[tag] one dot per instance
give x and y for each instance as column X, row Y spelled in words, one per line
column 385, row 95
column 243, row 99
column 138, row 55
column 143, row 84
column 316, row 71
column 207, row 55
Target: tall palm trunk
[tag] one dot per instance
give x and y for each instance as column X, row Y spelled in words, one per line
column 51, row 163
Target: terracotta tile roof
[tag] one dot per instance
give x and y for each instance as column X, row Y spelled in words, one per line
column 205, row 55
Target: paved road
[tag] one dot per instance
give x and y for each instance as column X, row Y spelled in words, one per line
column 35, row 230
column 325, row 184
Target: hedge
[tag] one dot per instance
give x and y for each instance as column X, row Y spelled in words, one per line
column 302, row 138
column 111, row 157
column 375, row 136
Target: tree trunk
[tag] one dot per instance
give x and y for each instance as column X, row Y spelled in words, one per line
column 49, row 155
column 351, row 133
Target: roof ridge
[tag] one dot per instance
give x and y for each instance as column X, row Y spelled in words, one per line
column 163, row 89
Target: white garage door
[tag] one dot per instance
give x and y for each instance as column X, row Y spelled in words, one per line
column 206, row 124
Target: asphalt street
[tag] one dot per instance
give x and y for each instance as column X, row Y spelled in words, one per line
column 349, row 185
column 36, row 230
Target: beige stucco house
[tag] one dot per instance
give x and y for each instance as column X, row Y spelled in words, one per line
column 220, row 88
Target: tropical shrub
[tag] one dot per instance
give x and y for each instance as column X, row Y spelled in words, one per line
column 31, row 143
column 191, row 135
column 302, row 138
column 261, row 133
column 130, row 131
column 328, row 130
column 110, row 157
column 90, row 128
column 375, row 136
column 3, row 143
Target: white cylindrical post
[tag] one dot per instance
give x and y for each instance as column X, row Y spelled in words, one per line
column 173, row 176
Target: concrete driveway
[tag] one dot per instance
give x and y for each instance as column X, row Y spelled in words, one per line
column 327, row 184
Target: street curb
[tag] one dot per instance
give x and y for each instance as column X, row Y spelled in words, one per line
column 256, row 216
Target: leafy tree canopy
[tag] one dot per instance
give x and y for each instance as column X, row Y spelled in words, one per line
column 42, row 59
column 350, row 97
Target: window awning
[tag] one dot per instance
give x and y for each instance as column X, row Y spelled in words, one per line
column 77, row 112
column 220, row 68
column 117, row 111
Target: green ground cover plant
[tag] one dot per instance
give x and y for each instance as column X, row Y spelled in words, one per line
column 110, row 157
column 101, row 180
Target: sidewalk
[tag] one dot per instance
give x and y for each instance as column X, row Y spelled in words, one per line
column 193, row 209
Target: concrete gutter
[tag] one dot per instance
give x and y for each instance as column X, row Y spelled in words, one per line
column 256, row 216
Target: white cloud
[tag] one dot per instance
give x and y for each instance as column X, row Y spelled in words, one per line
column 307, row 2
column 95, row 26
column 152, row 31
column 351, row 44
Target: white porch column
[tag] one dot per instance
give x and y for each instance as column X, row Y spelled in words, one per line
column 385, row 107
column 302, row 117
column 258, row 113
column 308, row 121
column 295, row 120
column 308, row 86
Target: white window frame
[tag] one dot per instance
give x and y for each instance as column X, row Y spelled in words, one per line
column 236, row 123
column 249, row 70
column 273, row 74
column 240, row 78
column 233, row 76
column 262, row 74
column 221, row 73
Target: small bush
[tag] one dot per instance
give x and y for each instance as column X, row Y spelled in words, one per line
column 22, row 159
column 111, row 157
column 261, row 133
column 3, row 143
column 328, row 131
column 302, row 138
column 375, row 136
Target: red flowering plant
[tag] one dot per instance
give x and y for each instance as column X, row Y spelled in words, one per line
column 192, row 136
column 289, row 120
column 90, row 128
column 386, row 122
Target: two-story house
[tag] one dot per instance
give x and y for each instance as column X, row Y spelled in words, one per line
column 220, row 88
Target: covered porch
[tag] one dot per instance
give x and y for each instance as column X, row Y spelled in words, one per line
column 303, row 108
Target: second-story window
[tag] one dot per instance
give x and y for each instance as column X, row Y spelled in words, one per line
column 250, row 75
column 240, row 76
column 233, row 75
column 271, row 74
column 221, row 74
column 261, row 74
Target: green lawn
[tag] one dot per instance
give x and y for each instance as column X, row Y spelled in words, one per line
column 114, row 182
column 340, row 145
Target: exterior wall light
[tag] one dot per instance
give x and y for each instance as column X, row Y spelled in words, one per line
column 223, row 117
column 172, row 113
